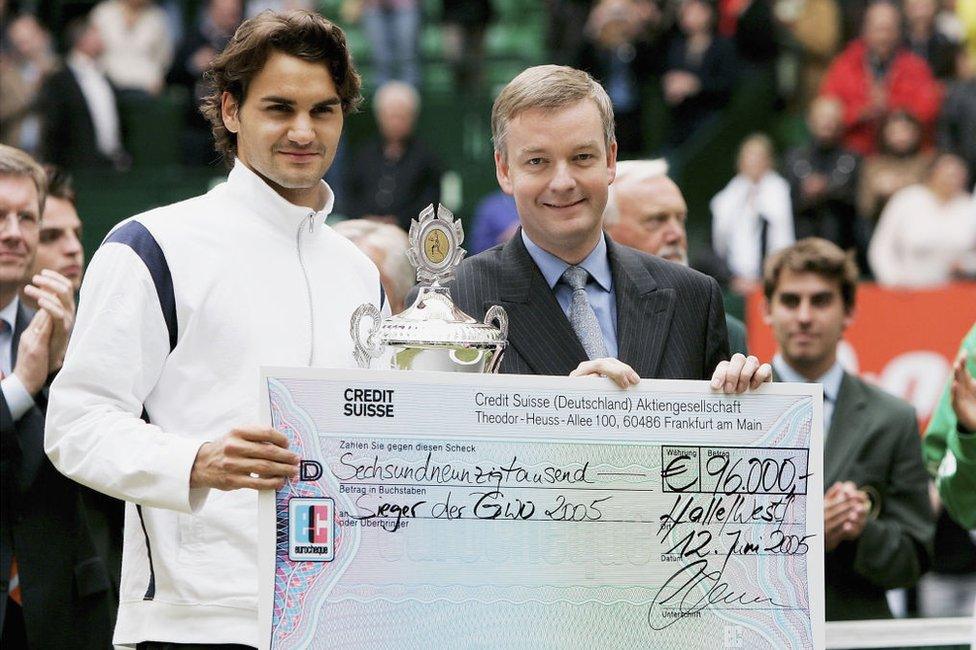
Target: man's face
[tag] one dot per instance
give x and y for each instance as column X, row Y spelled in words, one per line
column 652, row 218
column 754, row 161
column 288, row 126
column 19, row 219
column 558, row 169
column 882, row 30
column 396, row 117
column 59, row 245
column 826, row 120
column 807, row 315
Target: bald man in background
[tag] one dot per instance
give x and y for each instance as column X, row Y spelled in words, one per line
column 645, row 210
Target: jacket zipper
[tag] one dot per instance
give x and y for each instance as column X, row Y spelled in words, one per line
column 308, row 286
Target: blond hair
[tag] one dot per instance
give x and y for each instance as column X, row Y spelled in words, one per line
column 549, row 87
column 14, row 162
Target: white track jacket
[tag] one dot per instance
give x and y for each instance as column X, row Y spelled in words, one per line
column 179, row 308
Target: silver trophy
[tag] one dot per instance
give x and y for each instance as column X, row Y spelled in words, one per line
column 432, row 334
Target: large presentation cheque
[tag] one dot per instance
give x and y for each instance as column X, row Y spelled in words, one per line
column 446, row 510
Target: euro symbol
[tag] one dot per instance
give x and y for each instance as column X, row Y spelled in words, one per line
column 676, row 468
column 309, row 470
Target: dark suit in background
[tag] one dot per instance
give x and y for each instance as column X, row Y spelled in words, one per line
column 65, row 587
column 670, row 319
column 68, row 137
column 874, row 441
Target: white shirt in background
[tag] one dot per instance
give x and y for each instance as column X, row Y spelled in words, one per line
column 919, row 238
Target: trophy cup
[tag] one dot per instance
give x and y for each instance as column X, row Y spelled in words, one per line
column 433, row 333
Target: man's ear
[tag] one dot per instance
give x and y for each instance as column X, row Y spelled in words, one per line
column 502, row 173
column 228, row 112
column 766, row 312
column 848, row 317
column 612, row 161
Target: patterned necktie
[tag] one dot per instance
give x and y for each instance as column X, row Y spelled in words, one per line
column 581, row 314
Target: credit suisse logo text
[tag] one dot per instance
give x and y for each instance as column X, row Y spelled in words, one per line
column 368, row 402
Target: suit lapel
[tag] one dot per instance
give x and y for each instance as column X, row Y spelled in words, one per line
column 643, row 312
column 845, row 427
column 538, row 328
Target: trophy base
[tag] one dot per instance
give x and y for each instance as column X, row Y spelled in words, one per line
column 445, row 358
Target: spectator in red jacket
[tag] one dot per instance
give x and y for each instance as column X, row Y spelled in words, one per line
column 876, row 74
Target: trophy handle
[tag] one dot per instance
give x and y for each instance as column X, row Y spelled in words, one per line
column 365, row 341
column 497, row 313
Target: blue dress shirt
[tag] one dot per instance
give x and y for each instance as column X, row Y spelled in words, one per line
column 830, row 381
column 600, row 293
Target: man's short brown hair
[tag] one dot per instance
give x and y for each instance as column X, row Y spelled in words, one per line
column 299, row 33
column 814, row 255
column 549, row 87
column 60, row 185
column 14, row 162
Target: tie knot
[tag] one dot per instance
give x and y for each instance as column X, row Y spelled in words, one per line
column 576, row 277
column 5, row 326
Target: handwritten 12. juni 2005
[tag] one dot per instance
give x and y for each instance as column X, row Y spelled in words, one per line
column 456, row 520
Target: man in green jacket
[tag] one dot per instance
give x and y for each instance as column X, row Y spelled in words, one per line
column 950, row 441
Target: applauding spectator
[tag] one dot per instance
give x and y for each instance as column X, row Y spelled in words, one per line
column 927, row 233
column 875, row 75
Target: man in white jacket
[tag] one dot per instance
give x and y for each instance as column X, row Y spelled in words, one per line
column 155, row 403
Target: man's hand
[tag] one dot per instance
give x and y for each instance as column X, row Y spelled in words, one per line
column 740, row 374
column 55, row 296
column 963, row 393
column 33, row 353
column 248, row 457
column 845, row 513
column 813, row 185
column 622, row 374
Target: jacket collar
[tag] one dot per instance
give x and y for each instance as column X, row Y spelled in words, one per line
column 644, row 309
column 261, row 199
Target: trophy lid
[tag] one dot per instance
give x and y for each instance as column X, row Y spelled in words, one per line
column 433, row 319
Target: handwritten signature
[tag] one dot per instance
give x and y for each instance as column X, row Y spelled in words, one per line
column 681, row 595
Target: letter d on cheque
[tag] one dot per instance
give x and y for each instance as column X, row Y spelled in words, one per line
column 309, row 470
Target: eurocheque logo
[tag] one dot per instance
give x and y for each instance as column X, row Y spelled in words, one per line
column 311, row 529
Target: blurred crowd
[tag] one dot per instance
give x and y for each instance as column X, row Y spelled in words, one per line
column 887, row 91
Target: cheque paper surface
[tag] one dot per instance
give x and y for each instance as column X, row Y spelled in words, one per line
column 474, row 511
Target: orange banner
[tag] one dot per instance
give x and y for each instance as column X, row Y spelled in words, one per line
column 903, row 341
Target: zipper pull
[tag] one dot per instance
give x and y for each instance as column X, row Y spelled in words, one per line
column 311, row 222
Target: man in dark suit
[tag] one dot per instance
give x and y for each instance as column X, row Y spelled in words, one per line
column 79, row 111
column 577, row 302
column 878, row 524
column 55, row 586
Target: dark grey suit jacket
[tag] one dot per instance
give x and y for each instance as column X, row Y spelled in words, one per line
column 65, row 584
column 874, row 441
column 670, row 319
